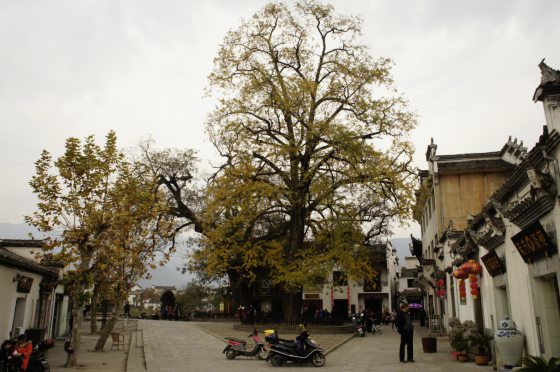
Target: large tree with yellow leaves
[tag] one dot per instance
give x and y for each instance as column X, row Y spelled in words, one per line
column 106, row 221
column 316, row 149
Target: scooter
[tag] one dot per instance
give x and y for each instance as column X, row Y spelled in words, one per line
column 283, row 352
column 38, row 359
column 237, row 347
column 360, row 328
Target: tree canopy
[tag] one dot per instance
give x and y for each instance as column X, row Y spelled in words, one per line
column 315, row 145
column 108, row 222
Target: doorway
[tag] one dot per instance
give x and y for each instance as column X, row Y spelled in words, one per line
column 19, row 315
column 375, row 305
column 57, row 315
column 549, row 319
column 340, row 310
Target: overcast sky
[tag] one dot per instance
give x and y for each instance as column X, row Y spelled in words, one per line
column 74, row 68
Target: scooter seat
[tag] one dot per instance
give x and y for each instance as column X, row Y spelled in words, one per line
column 236, row 340
column 285, row 347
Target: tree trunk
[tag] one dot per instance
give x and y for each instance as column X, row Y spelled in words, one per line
column 239, row 289
column 292, row 306
column 106, row 331
column 72, row 358
column 93, row 311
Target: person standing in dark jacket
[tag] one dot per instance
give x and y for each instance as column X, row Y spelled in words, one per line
column 405, row 328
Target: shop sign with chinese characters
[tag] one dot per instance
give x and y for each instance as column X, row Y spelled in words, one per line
column 493, row 263
column 533, row 243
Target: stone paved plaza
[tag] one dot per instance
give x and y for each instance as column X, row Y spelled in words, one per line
column 185, row 346
column 166, row 346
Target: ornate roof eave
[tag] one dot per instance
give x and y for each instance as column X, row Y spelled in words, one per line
column 487, row 227
column 450, row 234
column 416, row 247
column 529, row 210
column 11, row 259
column 519, row 179
column 466, row 246
column 550, row 82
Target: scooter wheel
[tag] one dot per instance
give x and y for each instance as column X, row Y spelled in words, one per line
column 277, row 361
column 262, row 354
column 318, row 359
column 231, row 354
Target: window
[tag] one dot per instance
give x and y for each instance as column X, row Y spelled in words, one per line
column 410, row 283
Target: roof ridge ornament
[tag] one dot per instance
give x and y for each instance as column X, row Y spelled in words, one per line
column 550, row 82
column 548, row 73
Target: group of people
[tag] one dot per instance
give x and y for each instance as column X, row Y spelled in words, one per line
column 368, row 319
column 170, row 312
column 22, row 351
column 247, row 316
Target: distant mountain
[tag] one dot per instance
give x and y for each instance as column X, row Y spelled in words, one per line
column 402, row 247
column 166, row 275
column 19, row 231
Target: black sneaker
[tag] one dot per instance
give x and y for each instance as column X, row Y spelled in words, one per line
column 403, row 361
column 411, row 361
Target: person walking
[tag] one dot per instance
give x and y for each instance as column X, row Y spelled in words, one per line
column 251, row 315
column 422, row 317
column 405, row 328
column 241, row 314
column 392, row 317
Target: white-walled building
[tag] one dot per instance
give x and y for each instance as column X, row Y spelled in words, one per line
column 33, row 301
column 408, row 290
column 514, row 236
column 344, row 296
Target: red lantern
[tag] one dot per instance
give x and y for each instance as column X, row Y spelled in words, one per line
column 462, row 289
column 471, row 267
column 474, row 286
column 441, row 283
column 476, row 268
column 460, row 273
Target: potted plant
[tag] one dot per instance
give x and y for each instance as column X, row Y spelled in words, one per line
column 540, row 364
column 459, row 343
column 481, row 342
column 455, row 334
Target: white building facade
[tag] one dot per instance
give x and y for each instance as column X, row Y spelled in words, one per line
column 33, row 300
column 344, row 296
column 514, row 239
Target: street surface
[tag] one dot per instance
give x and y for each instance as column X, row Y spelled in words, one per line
column 183, row 346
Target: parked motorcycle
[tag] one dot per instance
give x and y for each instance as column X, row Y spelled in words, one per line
column 360, row 328
column 37, row 360
column 237, row 347
column 282, row 351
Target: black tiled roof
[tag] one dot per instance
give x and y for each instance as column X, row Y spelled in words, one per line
column 16, row 243
column 12, row 259
column 475, row 164
column 474, row 155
